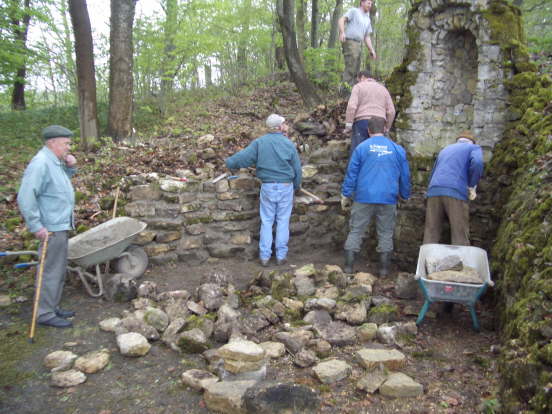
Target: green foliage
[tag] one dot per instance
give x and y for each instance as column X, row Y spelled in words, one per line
column 324, row 67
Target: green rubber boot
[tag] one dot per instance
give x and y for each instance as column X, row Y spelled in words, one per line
column 349, row 261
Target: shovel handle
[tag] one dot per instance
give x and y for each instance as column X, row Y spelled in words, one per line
column 24, row 265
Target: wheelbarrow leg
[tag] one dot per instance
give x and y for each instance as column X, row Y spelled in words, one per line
column 83, row 275
column 475, row 321
column 423, row 312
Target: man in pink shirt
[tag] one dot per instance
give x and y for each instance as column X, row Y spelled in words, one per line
column 369, row 99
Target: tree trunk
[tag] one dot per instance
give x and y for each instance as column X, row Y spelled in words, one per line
column 168, row 60
column 86, row 75
column 21, row 29
column 120, row 69
column 208, row 75
column 69, row 69
column 314, row 24
column 295, row 65
column 300, row 24
column 338, row 10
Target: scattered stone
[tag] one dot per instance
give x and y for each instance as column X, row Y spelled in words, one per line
column 365, row 278
column 156, row 318
column 387, row 334
column 134, row 324
column 305, row 271
column 281, row 398
column 328, row 292
column 147, row 289
column 320, row 303
column 468, row 275
column 226, row 396
column 356, row 313
column 70, row 378
column 332, row 371
column 198, row 379
column 407, row 328
column 400, row 385
column 337, row 333
column 170, row 335
column 20, row 299
column 212, row 296
column 196, row 308
column 242, row 350
column 321, row 347
column 318, row 317
column 294, row 305
column 120, row 287
column 5, row 301
column 367, row 332
column 143, row 303
column 133, row 344
column 304, row 286
column 381, row 300
column 93, row 362
column 174, row 294
column 406, row 286
column 372, row 358
column 70, row 344
column 59, row 360
column 238, row 367
column 294, row 341
column 176, row 308
column 383, row 314
column 305, row 358
column 273, row 349
column 371, row 382
column 192, row 341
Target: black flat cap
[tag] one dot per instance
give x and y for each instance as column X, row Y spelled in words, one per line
column 56, row 131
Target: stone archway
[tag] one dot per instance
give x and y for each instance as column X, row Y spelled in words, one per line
column 459, row 73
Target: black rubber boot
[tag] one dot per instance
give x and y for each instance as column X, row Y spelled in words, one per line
column 385, row 262
column 349, row 261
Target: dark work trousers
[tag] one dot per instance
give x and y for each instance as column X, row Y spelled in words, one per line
column 361, row 216
column 53, row 276
column 458, row 214
column 360, row 133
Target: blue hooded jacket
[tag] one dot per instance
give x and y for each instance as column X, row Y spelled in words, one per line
column 458, row 166
column 378, row 172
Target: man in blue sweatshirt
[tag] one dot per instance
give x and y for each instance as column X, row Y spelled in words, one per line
column 453, row 181
column 279, row 168
column 377, row 174
column 46, row 200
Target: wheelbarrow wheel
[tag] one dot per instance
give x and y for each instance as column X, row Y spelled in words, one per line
column 133, row 263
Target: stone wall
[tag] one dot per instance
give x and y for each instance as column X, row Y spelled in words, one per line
column 453, row 77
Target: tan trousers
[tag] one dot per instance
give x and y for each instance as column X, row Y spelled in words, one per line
column 351, row 55
column 458, row 214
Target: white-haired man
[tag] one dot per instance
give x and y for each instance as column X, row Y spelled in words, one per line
column 279, row 168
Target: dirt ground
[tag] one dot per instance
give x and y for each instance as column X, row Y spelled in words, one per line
column 455, row 365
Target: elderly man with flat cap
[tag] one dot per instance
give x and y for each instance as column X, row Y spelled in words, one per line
column 279, row 168
column 46, row 200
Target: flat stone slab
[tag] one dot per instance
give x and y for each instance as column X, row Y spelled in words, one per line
column 332, row 371
column 198, row 379
column 242, row 350
column 227, row 396
column 281, row 398
column 371, row 381
column 372, row 358
column 400, row 385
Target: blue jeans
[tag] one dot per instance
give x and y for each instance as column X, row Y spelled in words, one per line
column 360, row 133
column 276, row 205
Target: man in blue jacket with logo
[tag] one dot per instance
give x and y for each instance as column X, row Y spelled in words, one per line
column 46, row 200
column 378, row 173
column 279, row 168
column 453, row 181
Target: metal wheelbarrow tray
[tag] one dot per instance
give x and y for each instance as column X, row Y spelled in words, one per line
column 463, row 293
column 103, row 243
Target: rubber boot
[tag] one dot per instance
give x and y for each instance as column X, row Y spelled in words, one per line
column 349, row 261
column 385, row 261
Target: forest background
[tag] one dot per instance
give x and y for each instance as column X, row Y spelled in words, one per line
column 164, row 54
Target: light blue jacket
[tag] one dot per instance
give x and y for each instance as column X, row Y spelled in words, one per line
column 458, row 167
column 275, row 158
column 46, row 197
column 378, row 172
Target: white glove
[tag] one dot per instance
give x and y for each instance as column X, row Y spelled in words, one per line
column 471, row 193
column 346, row 203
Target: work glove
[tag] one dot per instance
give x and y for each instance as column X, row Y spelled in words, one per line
column 471, row 193
column 346, row 203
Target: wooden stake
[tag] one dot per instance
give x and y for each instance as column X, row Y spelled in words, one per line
column 115, row 204
column 317, row 199
column 38, row 288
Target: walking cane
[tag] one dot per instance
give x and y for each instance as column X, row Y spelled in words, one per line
column 38, row 288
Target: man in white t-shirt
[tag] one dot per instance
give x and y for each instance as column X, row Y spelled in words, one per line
column 355, row 27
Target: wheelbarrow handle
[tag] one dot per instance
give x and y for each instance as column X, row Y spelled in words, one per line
column 19, row 253
column 24, row 265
